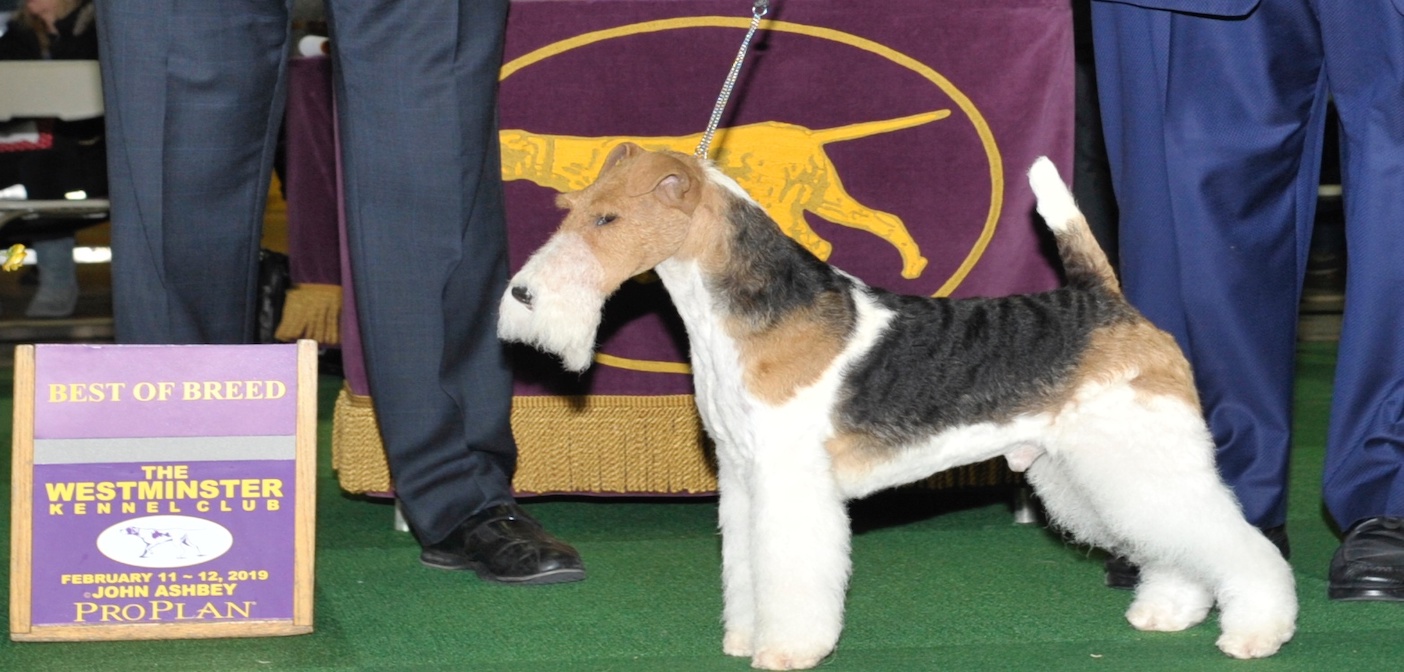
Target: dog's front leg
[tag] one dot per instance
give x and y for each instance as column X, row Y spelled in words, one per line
column 738, row 589
column 800, row 555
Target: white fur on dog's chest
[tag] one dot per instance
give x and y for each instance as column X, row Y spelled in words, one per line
column 742, row 425
column 728, row 411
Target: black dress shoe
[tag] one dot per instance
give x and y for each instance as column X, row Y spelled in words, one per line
column 1123, row 575
column 1369, row 565
column 505, row 545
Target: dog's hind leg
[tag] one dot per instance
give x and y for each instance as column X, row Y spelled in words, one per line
column 1151, row 476
column 1200, row 530
column 1165, row 599
column 1168, row 600
column 1252, row 583
column 738, row 588
column 1067, row 507
column 800, row 555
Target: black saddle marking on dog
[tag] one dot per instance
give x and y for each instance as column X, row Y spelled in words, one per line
column 949, row 362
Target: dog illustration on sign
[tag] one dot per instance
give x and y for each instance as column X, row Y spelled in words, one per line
column 171, row 543
column 818, row 389
column 165, row 541
column 783, row 166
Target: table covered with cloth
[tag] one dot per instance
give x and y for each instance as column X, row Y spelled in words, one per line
column 890, row 139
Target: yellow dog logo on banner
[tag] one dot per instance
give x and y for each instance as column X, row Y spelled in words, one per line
column 765, row 152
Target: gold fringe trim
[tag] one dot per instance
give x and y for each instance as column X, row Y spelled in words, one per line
column 598, row 444
column 611, row 444
column 311, row 311
column 357, row 454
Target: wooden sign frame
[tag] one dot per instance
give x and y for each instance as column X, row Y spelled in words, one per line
column 181, row 456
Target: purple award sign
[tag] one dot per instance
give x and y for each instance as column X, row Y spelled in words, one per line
column 163, row 491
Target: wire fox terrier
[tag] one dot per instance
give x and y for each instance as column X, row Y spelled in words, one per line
column 817, row 389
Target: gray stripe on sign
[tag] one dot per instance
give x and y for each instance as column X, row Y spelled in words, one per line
column 185, row 449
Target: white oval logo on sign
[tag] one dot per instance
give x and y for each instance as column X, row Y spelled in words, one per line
column 165, row 541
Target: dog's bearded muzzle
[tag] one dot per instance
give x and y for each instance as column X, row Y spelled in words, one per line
column 522, row 295
column 554, row 303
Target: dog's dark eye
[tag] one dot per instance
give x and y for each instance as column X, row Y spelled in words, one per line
column 605, row 219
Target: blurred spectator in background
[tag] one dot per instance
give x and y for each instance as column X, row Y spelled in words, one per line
column 72, row 157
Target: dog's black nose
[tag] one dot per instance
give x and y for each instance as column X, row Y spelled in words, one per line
column 522, row 294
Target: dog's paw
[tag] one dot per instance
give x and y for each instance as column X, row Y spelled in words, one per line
column 738, row 644
column 1167, row 602
column 1257, row 643
column 1164, row 616
column 786, row 660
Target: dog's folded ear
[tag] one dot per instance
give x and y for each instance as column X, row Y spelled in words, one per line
column 619, row 153
column 676, row 190
column 669, row 179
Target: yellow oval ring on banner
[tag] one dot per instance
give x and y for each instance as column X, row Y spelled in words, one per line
column 982, row 128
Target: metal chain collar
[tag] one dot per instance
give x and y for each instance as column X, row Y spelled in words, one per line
column 758, row 10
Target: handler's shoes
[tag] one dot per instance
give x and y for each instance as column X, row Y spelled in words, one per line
column 505, row 545
column 1369, row 565
column 1121, row 573
column 1124, row 575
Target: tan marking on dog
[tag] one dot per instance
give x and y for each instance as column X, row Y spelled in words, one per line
column 1148, row 358
column 793, row 353
column 1080, row 251
column 851, row 456
column 637, row 213
column 709, row 233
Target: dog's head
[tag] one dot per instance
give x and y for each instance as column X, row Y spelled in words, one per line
column 637, row 214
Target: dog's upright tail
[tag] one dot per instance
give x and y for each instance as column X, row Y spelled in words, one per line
column 1083, row 259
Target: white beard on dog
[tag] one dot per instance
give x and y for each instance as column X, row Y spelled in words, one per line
column 565, row 309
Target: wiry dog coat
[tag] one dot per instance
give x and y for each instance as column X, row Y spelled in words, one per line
column 818, row 388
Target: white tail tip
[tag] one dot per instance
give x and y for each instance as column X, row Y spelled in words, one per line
column 1054, row 201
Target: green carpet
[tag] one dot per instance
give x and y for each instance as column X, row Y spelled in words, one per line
column 941, row 581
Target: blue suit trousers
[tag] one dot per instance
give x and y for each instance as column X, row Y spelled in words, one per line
column 1214, row 112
